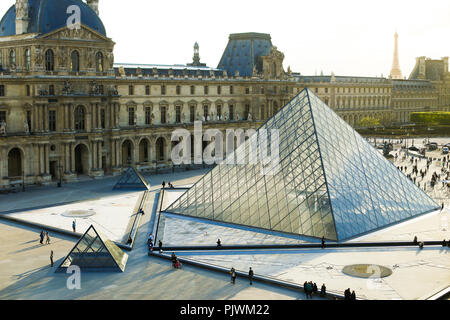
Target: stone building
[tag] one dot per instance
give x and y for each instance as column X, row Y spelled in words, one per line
column 67, row 109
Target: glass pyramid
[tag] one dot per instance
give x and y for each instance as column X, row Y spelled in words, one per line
column 330, row 181
column 132, row 179
column 94, row 252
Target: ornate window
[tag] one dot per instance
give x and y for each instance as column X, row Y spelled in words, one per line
column 192, row 89
column 192, row 113
column 75, row 61
column 205, row 112
column 148, row 115
column 247, row 111
column 27, row 59
column 163, row 114
column 99, row 62
column 231, row 109
column 49, row 60
column 131, row 115
column 102, row 118
column 178, row 90
column 52, row 120
column 178, row 114
column 80, row 118
column 147, row 90
column 219, row 111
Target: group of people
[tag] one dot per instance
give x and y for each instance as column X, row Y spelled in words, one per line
column 44, row 237
column 310, row 288
column 169, row 184
column 349, row 295
column 150, row 242
column 176, row 264
column 233, row 274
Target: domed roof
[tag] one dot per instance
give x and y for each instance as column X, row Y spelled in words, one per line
column 49, row 15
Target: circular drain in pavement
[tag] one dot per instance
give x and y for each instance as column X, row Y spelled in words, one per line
column 78, row 213
column 372, row 271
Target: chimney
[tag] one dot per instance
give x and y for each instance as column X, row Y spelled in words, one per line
column 93, row 4
column 22, row 18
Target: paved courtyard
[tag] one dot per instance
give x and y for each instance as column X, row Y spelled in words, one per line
column 25, row 272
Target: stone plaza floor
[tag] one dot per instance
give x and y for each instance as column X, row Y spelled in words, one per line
column 25, row 272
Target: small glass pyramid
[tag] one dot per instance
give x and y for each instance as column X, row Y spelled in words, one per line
column 330, row 181
column 95, row 253
column 132, row 179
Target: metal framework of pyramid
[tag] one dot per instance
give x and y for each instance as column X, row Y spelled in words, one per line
column 132, row 179
column 330, row 181
column 94, row 252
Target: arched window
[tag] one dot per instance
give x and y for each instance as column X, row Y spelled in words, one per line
column 27, row 59
column 12, row 58
column 80, row 117
column 75, row 61
column 49, row 60
column 99, row 62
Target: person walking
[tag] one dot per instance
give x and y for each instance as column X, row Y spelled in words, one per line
column 41, row 236
column 323, row 242
column 51, row 258
column 219, row 243
column 174, row 259
column 74, row 226
column 47, row 236
column 308, row 290
column 250, row 275
column 160, row 246
column 323, row 290
column 353, row 295
column 233, row 275
column 315, row 289
column 163, row 184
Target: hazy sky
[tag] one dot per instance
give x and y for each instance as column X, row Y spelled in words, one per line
column 347, row 37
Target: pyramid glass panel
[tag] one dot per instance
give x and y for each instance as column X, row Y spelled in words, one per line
column 94, row 252
column 132, row 179
column 329, row 182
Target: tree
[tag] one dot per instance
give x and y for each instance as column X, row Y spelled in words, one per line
column 369, row 122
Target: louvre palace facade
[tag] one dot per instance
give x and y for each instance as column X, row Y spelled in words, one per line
column 67, row 109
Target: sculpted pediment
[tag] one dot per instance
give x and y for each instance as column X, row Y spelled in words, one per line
column 82, row 33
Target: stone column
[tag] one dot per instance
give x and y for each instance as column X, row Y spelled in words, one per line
column 72, row 157
column 71, row 117
column 67, row 157
column 94, row 155
column 113, row 153
column 99, row 116
column 47, row 159
column 41, row 160
column 99, row 157
column 66, row 117
column 45, row 116
column 119, row 153
column 152, row 151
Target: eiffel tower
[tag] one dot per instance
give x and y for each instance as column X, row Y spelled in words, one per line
column 396, row 73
